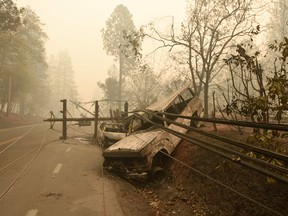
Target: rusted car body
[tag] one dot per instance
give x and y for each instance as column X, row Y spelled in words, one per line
column 144, row 151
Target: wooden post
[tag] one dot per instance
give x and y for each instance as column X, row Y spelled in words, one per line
column 214, row 112
column 96, row 119
column 51, row 116
column 64, row 123
column 126, row 109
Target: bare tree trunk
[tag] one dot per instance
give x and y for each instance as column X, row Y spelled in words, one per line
column 214, row 111
column 206, row 100
column 120, row 79
column 9, row 95
column 22, row 104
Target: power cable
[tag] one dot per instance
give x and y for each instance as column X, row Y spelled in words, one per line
column 18, row 139
column 25, row 168
column 215, row 149
column 224, row 185
column 260, row 150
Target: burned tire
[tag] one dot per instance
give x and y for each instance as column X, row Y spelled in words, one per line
column 160, row 160
column 158, row 174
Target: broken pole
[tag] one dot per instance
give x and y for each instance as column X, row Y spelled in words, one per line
column 64, row 123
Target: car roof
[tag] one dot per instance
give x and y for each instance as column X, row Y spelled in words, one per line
column 163, row 103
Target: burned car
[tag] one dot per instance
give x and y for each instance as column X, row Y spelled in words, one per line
column 143, row 152
column 111, row 132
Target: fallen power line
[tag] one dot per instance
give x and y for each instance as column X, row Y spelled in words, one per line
column 228, row 153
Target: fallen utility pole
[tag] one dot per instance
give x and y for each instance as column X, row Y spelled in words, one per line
column 77, row 119
column 64, row 118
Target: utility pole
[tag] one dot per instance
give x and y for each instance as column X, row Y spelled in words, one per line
column 64, row 123
column 96, row 119
column 126, row 109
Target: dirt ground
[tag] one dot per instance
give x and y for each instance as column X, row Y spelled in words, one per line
column 190, row 192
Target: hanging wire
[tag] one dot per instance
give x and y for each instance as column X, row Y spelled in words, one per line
column 223, row 185
column 216, row 181
column 72, row 126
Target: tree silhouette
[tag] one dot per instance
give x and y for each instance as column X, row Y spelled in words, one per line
column 121, row 41
column 210, row 29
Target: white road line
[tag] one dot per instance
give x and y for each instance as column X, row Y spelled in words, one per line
column 57, row 168
column 32, row 212
column 68, row 149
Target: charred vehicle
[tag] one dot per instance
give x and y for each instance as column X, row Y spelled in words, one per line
column 111, row 132
column 143, row 152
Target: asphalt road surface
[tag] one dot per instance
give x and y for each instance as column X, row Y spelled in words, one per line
column 43, row 175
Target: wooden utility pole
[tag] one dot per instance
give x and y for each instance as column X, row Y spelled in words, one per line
column 64, row 119
column 64, row 123
column 96, row 119
column 126, row 109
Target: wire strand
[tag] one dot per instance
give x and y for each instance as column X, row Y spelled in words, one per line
column 25, row 168
column 224, row 185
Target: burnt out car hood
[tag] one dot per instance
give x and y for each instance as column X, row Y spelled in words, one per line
column 132, row 144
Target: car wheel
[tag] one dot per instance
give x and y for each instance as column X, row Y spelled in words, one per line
column 158, row 174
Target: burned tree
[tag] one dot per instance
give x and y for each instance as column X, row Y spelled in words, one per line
column 262, row 88
column 120, row 41
column 210, row 29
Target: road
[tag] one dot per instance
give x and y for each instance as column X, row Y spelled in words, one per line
column 43, row 175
